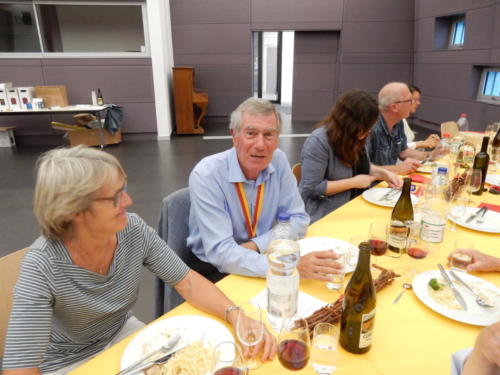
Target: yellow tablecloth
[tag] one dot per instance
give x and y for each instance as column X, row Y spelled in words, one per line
column 409, row 337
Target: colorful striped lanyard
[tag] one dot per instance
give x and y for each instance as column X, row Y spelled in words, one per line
column 250, row 224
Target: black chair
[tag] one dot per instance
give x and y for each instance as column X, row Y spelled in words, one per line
column 173, row 228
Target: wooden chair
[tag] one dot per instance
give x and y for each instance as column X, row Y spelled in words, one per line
column 186, row 100
column 297, row 172
column 10, row 266
column 449, row 127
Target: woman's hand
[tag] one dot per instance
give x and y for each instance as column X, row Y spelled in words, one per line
column 318, row 265
column 480, row 261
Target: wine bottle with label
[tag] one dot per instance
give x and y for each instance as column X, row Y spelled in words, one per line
column 401, row 217
column 495, row 147
column 358, row 306
column 100, row 99
column 481, row 161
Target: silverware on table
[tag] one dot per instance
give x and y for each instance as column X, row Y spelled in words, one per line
column 405, row 287
column 158, row 361
column 475, row 215
column 452, row 286
column 389, row 195
column 165, row 348
column 480, row 219
column 479, row 300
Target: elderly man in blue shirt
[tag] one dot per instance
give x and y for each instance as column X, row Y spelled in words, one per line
column 387, row 140
column 236, row 196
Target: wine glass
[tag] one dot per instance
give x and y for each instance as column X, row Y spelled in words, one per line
column 228, row 360
column 377, row 238
column 250, row 331
column 474, row 180
column 293, row 343
column 457, row 209
column 324, row 348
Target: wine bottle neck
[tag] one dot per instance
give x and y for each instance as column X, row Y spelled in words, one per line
column 484, row 145
column 406, row 186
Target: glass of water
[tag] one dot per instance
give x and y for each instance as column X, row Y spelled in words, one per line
column 337, row 280
column 324, row 348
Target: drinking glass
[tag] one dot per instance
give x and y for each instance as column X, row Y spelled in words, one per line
column 228, row 360
column 250, row 331
column 415, row 246
column 474, row 179
column 377, row 238
column 459, row 261
column 293, row 343
column 324, row 348
column 457, row 210
column 491, row 130
column 337, row 280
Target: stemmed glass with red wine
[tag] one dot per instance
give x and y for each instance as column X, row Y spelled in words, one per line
column 228, row 359
column 294, row 343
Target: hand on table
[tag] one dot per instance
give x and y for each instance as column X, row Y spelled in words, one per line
column 318, row 264
column 408, row 166
column 480, row 261
column 430, row 142
column 485, row 357
column 268, row 345
column 392, row 179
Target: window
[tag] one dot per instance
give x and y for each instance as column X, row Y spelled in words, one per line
column 490, row 85
column 449, row 32
column 66, row 29
column 457, row 34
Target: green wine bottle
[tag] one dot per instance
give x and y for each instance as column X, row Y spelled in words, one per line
column 481, row 161
column 402, row 215
column 358, row 306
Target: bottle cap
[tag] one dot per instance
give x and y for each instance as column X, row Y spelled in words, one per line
column 283, row 216
column 446, row 135
column 463, row 115
column 442, row 169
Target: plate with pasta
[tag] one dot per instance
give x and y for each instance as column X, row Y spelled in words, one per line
column 199, row 336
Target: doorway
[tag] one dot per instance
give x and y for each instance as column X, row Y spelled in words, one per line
column 273, row 66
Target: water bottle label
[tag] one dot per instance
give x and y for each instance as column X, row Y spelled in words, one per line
column 432, row 231
column 281, row 305
column 366, row 335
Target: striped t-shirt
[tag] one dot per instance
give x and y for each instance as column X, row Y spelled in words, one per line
column 63, row 313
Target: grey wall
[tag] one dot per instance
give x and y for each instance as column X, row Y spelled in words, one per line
column 340, row 44
column 449, row 79
column 125, row 82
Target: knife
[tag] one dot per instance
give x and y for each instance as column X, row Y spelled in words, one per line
column 448, row 281
column 473, row 216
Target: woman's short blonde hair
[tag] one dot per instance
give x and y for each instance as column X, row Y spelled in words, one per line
column 67, row 179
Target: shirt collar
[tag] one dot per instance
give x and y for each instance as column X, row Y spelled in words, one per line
column 386, row 128
column 236, row 174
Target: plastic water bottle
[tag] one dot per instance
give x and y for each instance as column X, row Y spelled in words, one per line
column 283, row 254
column 463, row 123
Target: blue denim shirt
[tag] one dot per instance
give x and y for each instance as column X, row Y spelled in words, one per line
column 383, row 146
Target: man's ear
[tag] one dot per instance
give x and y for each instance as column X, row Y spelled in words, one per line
column 231, row 131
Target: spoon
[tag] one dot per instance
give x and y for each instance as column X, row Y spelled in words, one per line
column 405, row 286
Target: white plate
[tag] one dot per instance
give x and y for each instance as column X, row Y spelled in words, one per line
column 493, row 179
column 428, row 167
column 374, row 195
column 190, row 327
column 491, row 223
column 310, row 244
column 475, row 314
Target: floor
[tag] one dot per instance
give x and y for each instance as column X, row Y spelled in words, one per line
column 154, row 170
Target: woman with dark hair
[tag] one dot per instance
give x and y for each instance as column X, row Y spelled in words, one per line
column 335, row 165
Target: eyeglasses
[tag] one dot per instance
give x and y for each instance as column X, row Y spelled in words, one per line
column 117, row 198
column 404, row 101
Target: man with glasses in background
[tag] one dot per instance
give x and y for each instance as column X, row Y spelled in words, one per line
column 236, row 196
column 387, row 141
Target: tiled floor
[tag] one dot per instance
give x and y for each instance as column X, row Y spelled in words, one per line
column 154, row 170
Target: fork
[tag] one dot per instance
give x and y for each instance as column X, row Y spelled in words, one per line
column 479, row 300
column 480, row 219
column 388, row 196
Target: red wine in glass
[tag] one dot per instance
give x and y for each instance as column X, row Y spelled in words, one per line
column 229, row 371
column 293, row 354
column 379, row 247
column 416, row 252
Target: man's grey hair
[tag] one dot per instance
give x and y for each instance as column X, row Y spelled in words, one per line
column 390, row 93
column 253, row 106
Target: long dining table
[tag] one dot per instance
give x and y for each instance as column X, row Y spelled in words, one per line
column 409, row 337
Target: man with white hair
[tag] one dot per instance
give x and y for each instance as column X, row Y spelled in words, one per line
column 387, row 140
column 236, row 196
